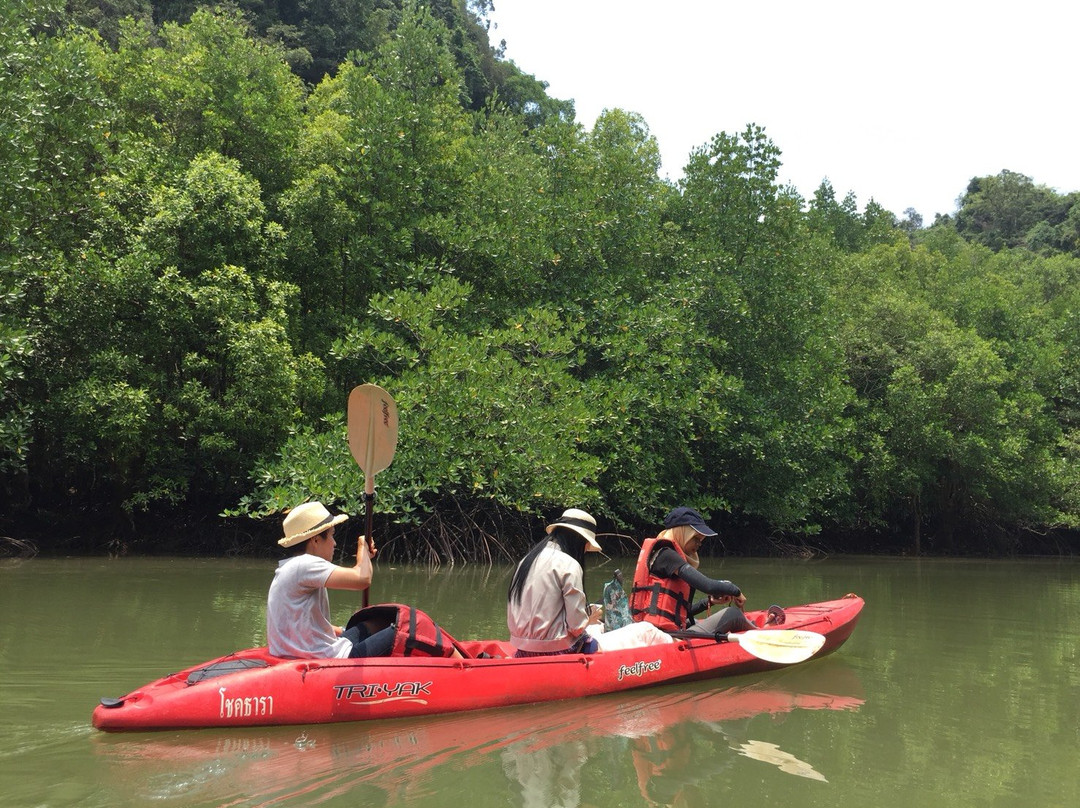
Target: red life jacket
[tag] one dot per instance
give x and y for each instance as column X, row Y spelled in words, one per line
column 416, row 634
column 664, row 602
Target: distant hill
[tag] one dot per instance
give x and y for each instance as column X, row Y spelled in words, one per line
column 316, row 37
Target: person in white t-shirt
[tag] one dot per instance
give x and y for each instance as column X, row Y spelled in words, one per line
column 298, row 621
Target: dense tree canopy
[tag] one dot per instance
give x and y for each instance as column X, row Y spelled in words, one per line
column 218, row 220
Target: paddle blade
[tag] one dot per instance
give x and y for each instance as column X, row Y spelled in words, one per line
column 783, row 646
column 373, row 428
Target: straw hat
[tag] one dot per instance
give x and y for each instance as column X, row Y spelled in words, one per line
column 307, row 520
column 580, row 522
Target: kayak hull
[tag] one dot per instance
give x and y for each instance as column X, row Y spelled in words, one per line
column 278, row 691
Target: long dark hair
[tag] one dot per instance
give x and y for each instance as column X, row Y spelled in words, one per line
column 570, row 542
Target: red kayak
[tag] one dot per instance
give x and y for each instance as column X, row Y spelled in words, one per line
column 252, row 688
column 408, row 758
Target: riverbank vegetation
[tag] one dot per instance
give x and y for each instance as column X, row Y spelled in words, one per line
column 214, row 226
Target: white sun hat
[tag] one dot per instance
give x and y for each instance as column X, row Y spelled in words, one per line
column 580, row 522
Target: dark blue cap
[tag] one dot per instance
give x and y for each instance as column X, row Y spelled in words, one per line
column 688, row 516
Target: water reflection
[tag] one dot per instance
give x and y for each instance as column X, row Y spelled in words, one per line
column 672, row 739
column 549, row 777
column 784, row 761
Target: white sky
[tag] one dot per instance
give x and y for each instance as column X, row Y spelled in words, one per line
column 900, row 102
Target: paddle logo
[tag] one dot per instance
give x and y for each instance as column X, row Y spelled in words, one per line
column 639, row 668
column 382, row 692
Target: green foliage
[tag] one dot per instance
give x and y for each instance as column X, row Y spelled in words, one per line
column 845, row 228
column 378, row 185
column 758, row 289
column 1000, row 211
column 314, row 38
column 208, row 87
column 661, row 408
column 497, row 242
column 628, row 201
column 54, row 133
column 15, row 413
column 53, row 136
column 212, row 217
column 107, row 16
column 955, row 429
column 730, row 191
column 486, row 415
column 201, row 256
column 161, row 388
column 837, row 220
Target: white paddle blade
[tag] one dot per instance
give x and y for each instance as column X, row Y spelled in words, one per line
column 373, row 427
column 783, row 646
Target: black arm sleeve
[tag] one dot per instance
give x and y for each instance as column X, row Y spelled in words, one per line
column 665, row 563
column 704, row 583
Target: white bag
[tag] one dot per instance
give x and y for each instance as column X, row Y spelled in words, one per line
column 635, row 635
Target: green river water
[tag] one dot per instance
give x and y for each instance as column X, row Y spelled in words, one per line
column 960, row 687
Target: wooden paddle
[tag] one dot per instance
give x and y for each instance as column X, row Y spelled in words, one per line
column 782, row 646
column 373, row 427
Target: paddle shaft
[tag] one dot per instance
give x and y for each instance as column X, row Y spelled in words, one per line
column 369, row 497
column 369, row 522
column 718, row 636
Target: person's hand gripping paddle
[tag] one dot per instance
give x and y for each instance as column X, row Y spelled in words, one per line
column 373, row 427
